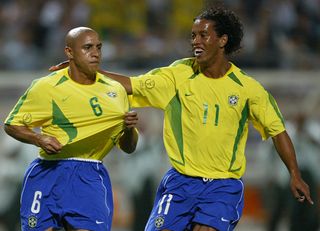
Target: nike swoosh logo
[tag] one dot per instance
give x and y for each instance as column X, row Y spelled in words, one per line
column 99, row 222
column 188, row 94
column 224, row 220
column 65, row 98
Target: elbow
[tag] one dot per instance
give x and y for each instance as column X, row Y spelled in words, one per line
column 128, row 141
column 130, row 148
column 8, row 129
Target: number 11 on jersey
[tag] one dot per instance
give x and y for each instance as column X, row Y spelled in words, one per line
column 205, row 114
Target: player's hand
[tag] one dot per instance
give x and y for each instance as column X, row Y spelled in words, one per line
column 131, row 119
column 59, row 66
column 49, row 144
column 300, row 190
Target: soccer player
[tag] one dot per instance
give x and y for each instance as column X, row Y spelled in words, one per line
column 208, row 103
column 82, row 114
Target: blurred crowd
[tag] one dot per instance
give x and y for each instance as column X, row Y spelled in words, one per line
column 149, row 33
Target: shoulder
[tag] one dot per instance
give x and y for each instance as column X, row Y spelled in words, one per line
column 186, row 62
column 53, row 79
column 180, row 67
column 103, row 79
column 242, row 78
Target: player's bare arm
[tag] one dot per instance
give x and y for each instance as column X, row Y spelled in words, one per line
column 128, row 141
column 124, row 80
column 284, row 147
column 24, row 134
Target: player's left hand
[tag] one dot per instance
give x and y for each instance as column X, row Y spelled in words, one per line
column 131, row 119
column 300, row 190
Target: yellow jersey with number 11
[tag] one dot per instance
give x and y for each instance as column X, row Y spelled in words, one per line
column 206, row 119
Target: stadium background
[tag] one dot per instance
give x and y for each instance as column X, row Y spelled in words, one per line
column 281, row 48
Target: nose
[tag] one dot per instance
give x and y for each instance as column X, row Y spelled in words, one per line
column 195, row 40
column 96, row 51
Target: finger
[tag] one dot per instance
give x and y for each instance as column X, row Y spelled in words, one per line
column 59, row 66
column 131, row 113
column 53, row 68
column 131, row 121
column 309, row 200
column 301, row 198
column 50, row 150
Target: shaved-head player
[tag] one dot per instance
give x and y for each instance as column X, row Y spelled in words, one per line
column 81, row 115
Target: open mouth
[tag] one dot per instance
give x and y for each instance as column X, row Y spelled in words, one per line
column 197, row 52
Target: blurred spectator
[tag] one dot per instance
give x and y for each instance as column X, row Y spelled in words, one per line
column 284, row 208
column 14, row 159
column 137, row 177
column 151, row 33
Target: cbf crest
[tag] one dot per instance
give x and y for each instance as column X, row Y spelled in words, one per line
column 112, row 94
column 32, row 221
column 233, row 100
column 159, row 222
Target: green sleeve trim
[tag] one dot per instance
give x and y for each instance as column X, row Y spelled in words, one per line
column 188, row 61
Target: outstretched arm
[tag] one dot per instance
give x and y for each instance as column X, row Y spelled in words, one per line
column 124, row 80
column 128, row 140
column 24, row 134
column 285, row 149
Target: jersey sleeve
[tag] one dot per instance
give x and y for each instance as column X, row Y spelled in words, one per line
column 265, row 113
column 154, row 89
column 33, row 108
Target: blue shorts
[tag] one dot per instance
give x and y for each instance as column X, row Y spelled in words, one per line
column 74, row 192
column 183, row 201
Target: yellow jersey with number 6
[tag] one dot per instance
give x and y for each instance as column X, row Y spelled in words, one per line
column 86, row 119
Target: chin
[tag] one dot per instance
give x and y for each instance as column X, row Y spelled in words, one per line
column 200, row 60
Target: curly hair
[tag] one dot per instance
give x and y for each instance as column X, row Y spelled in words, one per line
column 226, row 22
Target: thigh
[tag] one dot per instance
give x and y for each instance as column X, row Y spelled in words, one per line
column 173, row 207
column 88, row 202
column 199, row 227
column 220, row 205
column 37, row 209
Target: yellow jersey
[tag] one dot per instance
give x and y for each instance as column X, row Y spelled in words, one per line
column 206, row 119
column 88, row 120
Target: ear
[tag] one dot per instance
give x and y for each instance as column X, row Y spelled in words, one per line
column 223, row 40
column 68, row 52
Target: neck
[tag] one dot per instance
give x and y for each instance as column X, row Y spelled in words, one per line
column 81, row 77
column 217, row 69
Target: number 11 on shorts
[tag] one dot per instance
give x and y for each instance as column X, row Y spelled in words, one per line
column 166, row 198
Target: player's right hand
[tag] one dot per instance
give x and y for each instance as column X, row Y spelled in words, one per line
column 59, row 66
column 49, row 144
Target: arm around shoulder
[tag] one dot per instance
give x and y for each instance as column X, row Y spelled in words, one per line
column 124, row 80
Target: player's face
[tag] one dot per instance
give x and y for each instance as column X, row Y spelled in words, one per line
column 206, row 45
column 87, row 52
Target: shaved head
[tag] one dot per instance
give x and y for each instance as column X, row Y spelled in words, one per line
column 83, row 49
column 74, row 33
